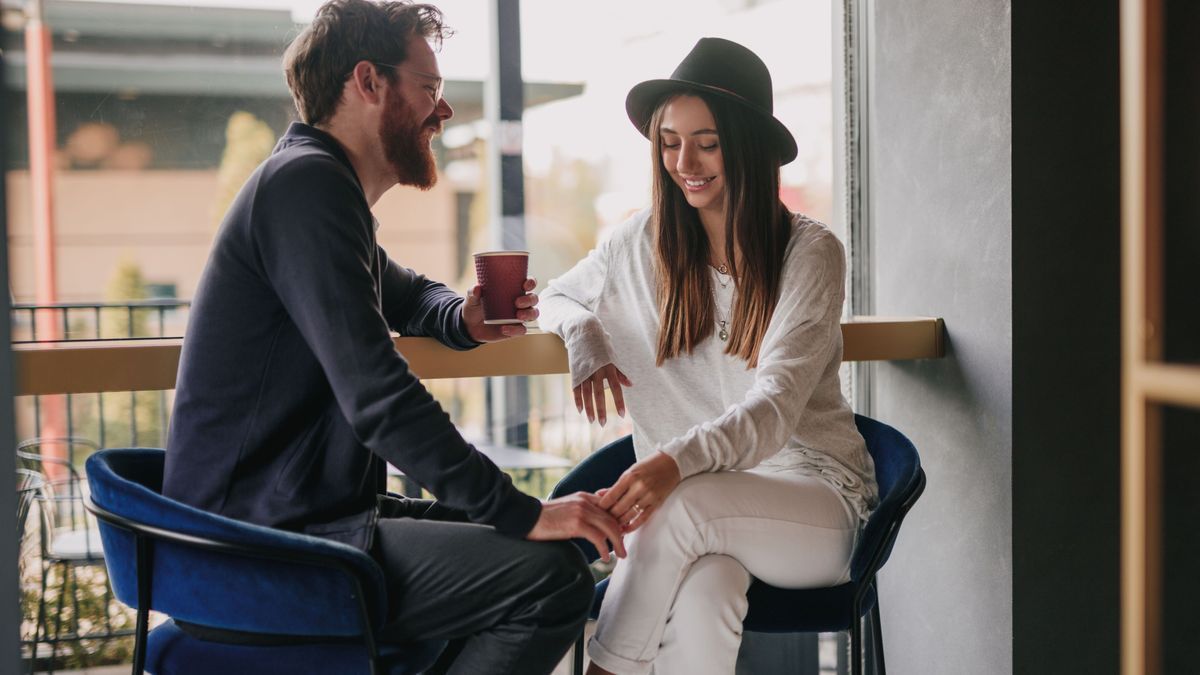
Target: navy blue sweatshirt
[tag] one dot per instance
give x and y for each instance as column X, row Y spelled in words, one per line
column 290, row 392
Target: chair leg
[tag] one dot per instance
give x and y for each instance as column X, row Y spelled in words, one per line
column 143, row 609
column 72, row 576
column 577, row 656
column 41, row 618
column 62, row 591
column 877, row 640
column 856, row 647
column 108, row 628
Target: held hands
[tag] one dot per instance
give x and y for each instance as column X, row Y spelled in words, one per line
column 579, row 515
column 641, row 490
column 589, row 395
column 472, row 315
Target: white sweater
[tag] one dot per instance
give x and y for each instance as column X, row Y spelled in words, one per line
column 707, row 410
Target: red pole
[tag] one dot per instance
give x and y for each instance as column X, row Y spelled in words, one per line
column 42, row 143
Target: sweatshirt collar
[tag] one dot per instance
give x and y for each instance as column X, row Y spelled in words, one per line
column 301, row 132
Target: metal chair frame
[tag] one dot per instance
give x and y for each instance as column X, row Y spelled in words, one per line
column 51, row 509
column 146, row 535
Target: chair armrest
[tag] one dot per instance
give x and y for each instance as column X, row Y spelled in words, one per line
column 362, row 575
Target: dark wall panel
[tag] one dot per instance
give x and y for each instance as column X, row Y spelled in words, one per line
column 1066, row 336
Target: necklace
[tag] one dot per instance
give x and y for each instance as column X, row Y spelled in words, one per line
column 722, row 324
column 723, row 277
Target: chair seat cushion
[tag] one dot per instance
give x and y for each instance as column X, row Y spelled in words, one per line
column 170, row 651
column 76, row 545
column 781, row 610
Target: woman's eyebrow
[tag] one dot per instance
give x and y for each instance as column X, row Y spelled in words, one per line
column 669, row 130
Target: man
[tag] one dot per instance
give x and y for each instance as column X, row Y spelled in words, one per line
column 291, row 396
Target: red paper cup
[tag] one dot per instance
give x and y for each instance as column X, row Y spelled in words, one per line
column 501, row 276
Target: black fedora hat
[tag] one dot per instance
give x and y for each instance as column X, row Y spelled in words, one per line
column 721, row 68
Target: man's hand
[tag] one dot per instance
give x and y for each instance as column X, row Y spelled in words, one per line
column 640, row 490
column 579, row 515
column 589, row 395
column 472, row 315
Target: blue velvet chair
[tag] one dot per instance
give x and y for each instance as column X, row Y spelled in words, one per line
column 815, row 610
column 242, row 598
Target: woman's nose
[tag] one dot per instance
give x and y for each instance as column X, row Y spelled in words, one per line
column 687, row 159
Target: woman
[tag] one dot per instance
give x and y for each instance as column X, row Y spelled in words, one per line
column 716, row 315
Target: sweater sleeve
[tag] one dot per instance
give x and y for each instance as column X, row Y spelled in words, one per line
column 313, row 236
column 803, row 337
column 568, row 309
column 414, row 305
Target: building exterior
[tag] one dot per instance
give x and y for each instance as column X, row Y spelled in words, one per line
column 162, row 112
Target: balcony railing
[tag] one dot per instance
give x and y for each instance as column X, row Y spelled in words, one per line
column 138, row 419
column 156, row 318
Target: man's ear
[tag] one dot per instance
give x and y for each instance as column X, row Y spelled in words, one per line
column 366, row 83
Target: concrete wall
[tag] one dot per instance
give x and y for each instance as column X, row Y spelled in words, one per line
column 941, row 210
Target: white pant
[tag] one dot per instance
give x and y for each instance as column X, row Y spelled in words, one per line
column 676, row 603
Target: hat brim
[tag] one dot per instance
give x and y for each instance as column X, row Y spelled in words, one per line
column 643, row 98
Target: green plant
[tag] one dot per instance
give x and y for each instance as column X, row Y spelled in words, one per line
column 77, row 601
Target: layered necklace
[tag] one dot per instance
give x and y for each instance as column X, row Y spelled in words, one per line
column 723, row 280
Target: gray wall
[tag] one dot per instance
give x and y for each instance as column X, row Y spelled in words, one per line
column 941, row 212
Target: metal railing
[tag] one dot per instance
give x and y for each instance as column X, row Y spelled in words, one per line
column 142, row 319
column 126, row 418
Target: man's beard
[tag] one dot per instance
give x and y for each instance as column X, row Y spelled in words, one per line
column 405, row 148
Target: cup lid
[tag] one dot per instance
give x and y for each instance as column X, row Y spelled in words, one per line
column 483, row 254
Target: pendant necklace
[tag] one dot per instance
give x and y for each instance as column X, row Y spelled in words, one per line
column 722, row 324
column 723, row 277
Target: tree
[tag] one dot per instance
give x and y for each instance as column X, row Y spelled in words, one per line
column 248, row 141
column 130, row 418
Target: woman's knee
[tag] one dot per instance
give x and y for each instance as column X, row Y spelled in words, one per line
column 684, row 507
column 715, row 586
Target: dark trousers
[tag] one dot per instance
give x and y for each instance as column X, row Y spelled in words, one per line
column 506, row 605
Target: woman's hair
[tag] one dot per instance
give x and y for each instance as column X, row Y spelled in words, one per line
column 755, row 219
column 345, row 32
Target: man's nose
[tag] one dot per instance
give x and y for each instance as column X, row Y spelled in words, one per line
column 443, row 110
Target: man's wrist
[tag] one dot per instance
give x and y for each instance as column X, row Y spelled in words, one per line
column 462, row 337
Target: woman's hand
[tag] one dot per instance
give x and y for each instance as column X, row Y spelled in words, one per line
column 472, row 314
column 579, row 515
column 640, row 490
column 589, row 395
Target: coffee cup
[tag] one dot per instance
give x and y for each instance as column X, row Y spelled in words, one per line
column 501, row 276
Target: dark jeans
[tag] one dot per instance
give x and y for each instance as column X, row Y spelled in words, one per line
column 506, row 605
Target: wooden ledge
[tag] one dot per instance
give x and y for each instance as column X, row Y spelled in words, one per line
column 150, row 365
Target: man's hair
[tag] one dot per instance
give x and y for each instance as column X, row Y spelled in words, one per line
column 344, row 32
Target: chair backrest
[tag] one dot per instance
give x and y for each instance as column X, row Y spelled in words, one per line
column 223, row 573
column 29, row 487
column 901, row 480
column 64, row 489
column 598, row 470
